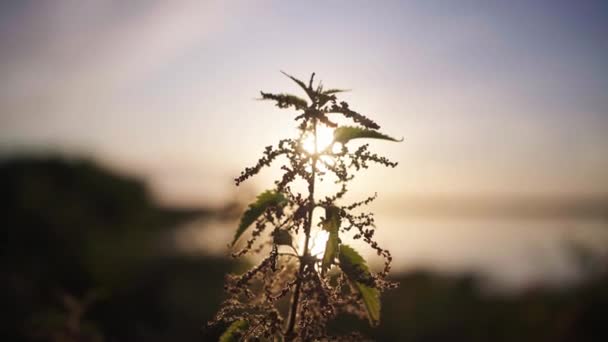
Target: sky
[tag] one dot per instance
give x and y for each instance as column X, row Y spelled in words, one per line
column 492, row 98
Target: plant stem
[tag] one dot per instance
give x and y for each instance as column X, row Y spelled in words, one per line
column 303, row 261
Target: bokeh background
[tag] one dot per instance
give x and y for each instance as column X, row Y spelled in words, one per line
column 122, row 125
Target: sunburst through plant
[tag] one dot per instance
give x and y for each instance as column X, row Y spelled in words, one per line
column 325, row 137
column 320, row 224
column 325, row 141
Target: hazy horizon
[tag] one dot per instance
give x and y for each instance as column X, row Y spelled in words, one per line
column 167, row 92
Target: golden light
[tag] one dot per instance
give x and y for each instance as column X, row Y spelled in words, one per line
column 325, row 137
column 317, row 242
column 337, row 147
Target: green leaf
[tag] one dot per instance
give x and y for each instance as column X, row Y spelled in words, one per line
column 352, row 263
column 234, row 331
column 344, row 134
column 286, row 100
column 331, row 251
column 332, row 225
column 265, row 200
column 371, row 299
column 355, row 268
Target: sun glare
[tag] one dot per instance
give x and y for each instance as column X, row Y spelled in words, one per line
column 317, row 242
column 325, row 137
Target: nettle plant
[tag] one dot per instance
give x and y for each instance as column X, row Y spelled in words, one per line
column 293, row 293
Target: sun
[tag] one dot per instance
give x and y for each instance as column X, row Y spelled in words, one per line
column 325, row 138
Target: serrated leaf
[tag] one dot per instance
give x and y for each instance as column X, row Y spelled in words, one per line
column 344, row 134
column 352, row 263
column 265, row 200
column 355, row 268
column 344, row 109
column 371, row 299
column 286, row 100
column 282, row 237
column 234, row 331
column 332, row 225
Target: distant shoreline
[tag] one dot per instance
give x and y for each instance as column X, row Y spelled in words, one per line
column 540, row 207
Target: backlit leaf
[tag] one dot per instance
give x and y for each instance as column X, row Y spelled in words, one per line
column 331, row 224
column 234, row 331
column 344, row 134
column 286, row 100
column 265, row 200
column 352, row 263
column 345, row 110
column 355, row 268
column 371, row 299
column 334, row 91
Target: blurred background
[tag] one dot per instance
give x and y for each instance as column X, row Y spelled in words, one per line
column 122, row 125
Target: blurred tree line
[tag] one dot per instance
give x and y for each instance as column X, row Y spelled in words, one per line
column 87, row 256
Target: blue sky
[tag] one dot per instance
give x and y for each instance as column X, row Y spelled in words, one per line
column 491, row 97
